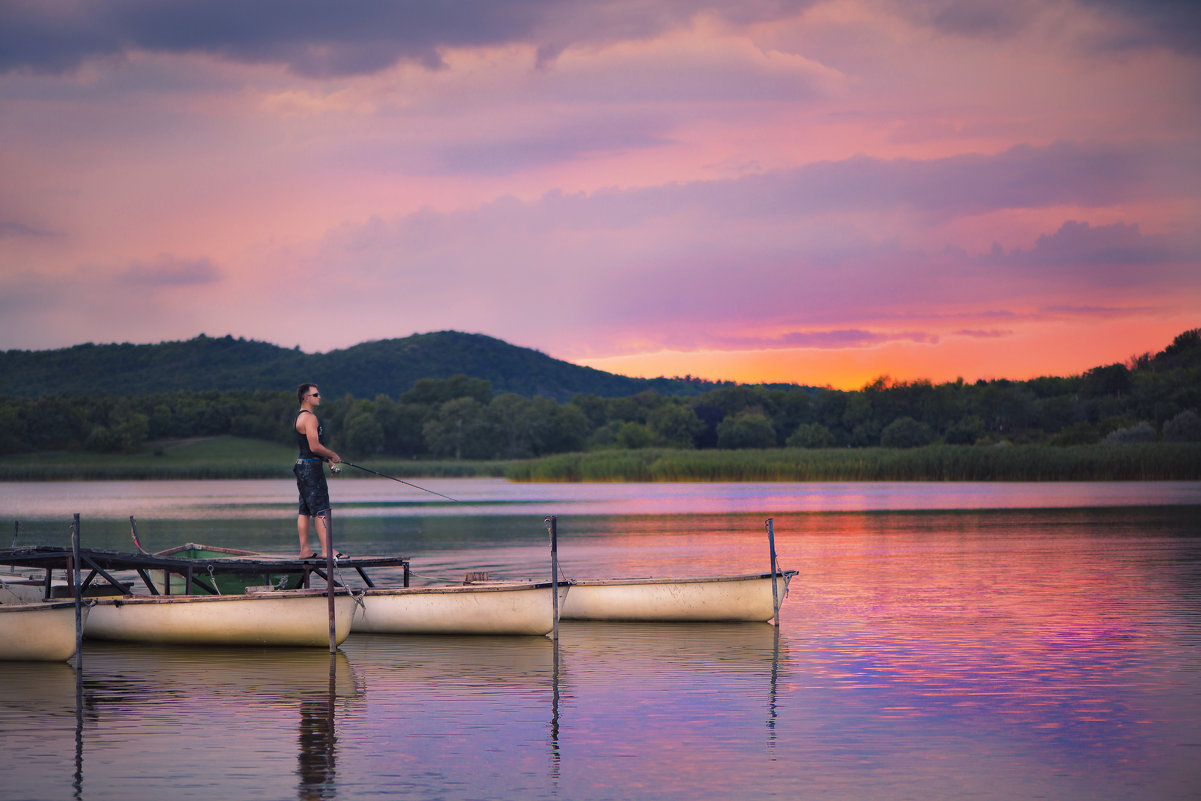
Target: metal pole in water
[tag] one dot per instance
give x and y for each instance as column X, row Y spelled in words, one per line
column 552, row 527
column 78, row 593
column 775, row 592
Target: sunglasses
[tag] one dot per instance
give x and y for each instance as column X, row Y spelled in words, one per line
column 313, row 395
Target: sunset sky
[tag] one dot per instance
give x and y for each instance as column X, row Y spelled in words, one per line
column 754, row 190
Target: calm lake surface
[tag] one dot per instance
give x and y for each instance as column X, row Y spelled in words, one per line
column 991, row 641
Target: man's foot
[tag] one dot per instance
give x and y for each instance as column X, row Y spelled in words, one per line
column 309, row 555
column 337, row 555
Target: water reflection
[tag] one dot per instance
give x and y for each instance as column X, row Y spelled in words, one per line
column 318, row 742
column 990, row 654
column 555, row 753
column 133, row 706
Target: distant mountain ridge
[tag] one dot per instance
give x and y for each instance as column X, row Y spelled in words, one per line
column 390, row 367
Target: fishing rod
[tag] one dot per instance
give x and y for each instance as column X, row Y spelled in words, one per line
column 394, row 478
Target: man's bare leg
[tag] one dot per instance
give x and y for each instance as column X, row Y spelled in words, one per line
column 325, row 525
column 302, row 528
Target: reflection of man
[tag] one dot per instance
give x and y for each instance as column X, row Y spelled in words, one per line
column 310, row 477
column 318, row 744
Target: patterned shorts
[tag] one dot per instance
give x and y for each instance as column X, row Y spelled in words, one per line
column 310, row 480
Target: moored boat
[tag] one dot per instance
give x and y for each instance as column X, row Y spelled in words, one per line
column 285, row 617
column 748, row 598
column 173, row 583
column 487, row 608
column 41, row 631
column 17, row 588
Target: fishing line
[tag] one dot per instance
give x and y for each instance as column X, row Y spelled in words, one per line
column 401, row 480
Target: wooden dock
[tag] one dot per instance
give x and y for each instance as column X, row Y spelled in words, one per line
column 198, row 574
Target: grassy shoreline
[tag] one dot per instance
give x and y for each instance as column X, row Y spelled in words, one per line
column 237, row 458
column 221, row 457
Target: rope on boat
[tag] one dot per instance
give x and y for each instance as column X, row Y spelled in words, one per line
column 356, row 594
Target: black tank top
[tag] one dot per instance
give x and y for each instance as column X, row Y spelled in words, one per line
column 302, row 439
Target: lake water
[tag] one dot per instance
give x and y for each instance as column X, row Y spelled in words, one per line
column 990, row 641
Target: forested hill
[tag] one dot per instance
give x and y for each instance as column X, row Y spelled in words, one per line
column 390, row 367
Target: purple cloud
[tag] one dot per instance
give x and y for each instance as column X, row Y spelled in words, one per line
column 509, row 155
column 1118, row 254
column 1175, row 24
column 837, row 339
column 1125, row 24
column 1022, row 177
column 169, row 271
column 346, row 38
column 11, row 229
column 994, row 333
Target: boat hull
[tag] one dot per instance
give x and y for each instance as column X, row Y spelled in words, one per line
column 285, row 618
column 467, row 609
column 38, row 631
column 724, row 598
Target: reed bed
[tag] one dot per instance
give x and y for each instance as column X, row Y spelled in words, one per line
column 1141, row 462
column 233, row 458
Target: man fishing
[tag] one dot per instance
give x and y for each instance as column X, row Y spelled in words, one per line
column 310, row 477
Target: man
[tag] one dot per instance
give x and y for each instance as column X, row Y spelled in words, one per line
column 310, row 477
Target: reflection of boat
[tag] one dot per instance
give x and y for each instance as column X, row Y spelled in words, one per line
column 490, row 608
column 286, row 617
column 42, row 631
column 225, row 583
column 721, row 598
column 37, row 690
column 471, row 662
column 593, row 645
column 215, row 673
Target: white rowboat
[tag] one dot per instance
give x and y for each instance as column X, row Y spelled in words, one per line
column 721, row 598
column 38, row 631
column 490, row 608
column 285, row 617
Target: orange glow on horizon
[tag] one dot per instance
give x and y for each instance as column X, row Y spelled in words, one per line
column 1020, row 356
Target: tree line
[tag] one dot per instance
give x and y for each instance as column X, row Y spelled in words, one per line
column 1147, row 398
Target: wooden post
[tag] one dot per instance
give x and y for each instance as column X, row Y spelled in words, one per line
column 552, row 527
column 775, row 591
column 78, row 593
